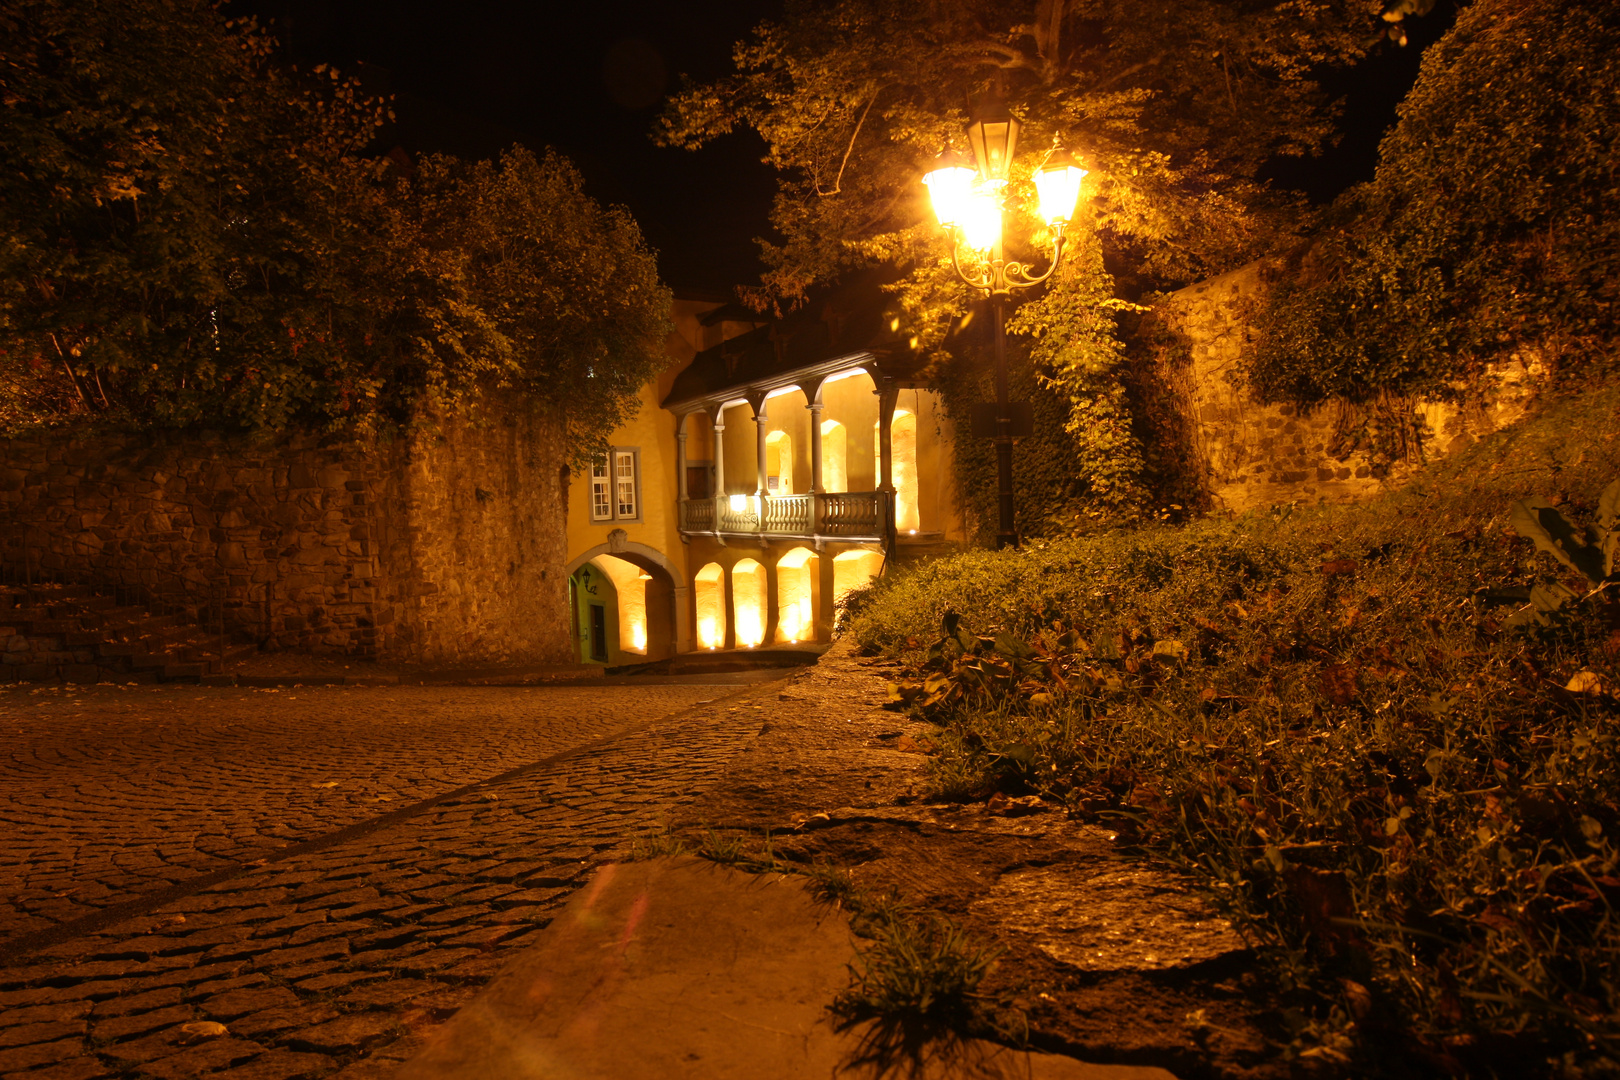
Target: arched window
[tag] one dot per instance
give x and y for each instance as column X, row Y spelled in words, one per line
column 748, row 596
column 709, row 591
column 834, row 456
column 795, row 596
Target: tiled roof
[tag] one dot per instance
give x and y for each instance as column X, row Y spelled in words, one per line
column 850, row 327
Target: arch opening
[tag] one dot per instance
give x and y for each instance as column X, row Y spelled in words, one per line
column 795, row 596
column 834, row 456
column 630, row 585
column 778, row 463
column 709, row 593
column 852, row 569
column 903, row 445
column 652, row 621
column 748, row 601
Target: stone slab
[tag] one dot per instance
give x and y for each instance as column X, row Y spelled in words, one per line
column 677, row 968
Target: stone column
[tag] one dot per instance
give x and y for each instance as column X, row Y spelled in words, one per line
column 815, row 447
column 759, row 449
column 773, row 601
column 680, row 455
column 888, row 398
column 730, row 594
column 824, row 596
column 720, row 452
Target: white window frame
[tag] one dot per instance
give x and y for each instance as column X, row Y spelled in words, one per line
column 607, row 476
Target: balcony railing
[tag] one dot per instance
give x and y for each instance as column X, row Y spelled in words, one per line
column 845, row 515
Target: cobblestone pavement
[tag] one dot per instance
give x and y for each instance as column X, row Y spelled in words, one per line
column 111, row 792
column 338, row 961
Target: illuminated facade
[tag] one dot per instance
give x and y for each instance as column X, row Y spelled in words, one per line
column 744, row 499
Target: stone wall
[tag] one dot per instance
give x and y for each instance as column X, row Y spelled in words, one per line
column 443, row 547
column 1252, row 455
column 477, row 512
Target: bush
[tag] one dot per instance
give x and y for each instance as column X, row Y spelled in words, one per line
column 1488, row 230
column 1411, row 805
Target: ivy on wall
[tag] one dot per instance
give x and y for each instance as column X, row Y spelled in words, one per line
column 1084, row 465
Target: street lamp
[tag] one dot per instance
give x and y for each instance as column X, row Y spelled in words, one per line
column 970, row 203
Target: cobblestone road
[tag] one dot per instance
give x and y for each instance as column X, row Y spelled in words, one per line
column 331, row 960
column 111, row 792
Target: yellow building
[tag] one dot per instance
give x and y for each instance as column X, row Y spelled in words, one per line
column 772, row 467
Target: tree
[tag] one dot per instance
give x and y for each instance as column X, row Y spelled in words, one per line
column 545, row 292
column 1174, row 106
column 1488, row 228
column 175, row 215
column 191, row 232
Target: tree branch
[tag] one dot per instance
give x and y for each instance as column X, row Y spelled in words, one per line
column 67, row 367
column 838, row 181
column 1128, row 72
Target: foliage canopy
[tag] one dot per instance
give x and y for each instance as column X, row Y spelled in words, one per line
column 1172, row 108
column 192, row 233
column 1488, row 228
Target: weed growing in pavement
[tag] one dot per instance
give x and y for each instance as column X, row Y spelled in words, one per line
column 657, row 845
column 1405, row 792
column 726, row 850
column 830, row 884
column 919, row 968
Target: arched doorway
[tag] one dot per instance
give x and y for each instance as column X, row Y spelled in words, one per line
column 649, row 615
column 709, row 592
column 795, row 596
column 630, row 582
column 748, row 602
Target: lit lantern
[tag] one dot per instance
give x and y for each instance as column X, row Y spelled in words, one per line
column 1057, row 182
column 993, row 133
column 951, row 187
column 981, row 223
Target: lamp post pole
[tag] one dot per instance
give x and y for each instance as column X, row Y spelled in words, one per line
column 970, row 205
column 1006, row 527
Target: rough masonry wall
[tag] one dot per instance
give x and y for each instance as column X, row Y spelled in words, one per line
column 1253, row 455
column 478, row 513
column 298, row 542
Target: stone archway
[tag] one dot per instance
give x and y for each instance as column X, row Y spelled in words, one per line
column 667, row 592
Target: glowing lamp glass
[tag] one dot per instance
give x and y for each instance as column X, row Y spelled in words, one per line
column 739, row 503
column 950, row 188
column 981, row 223
column 1058, row 185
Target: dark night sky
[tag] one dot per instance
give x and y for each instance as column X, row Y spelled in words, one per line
column 588, row 77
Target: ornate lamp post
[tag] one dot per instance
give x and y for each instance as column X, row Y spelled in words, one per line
column 970, row 204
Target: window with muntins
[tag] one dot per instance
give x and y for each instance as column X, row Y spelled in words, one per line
column 624, row 481
column 601, row 496
column 616, row 485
